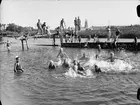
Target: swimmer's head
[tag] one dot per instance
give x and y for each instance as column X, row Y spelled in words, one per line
column 17, row 57
column 51, row 62
column 38, row 20
column 95, row 66
column 79, row 64
column 112, row 54
column 84, row 54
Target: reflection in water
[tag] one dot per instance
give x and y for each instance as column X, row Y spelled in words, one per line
column 38, row 86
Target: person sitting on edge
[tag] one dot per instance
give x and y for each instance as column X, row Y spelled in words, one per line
column 51, row 65
column 80, row 69
column 97, row 69
column 17, row 66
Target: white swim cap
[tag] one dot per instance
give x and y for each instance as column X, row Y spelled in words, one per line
column 16, row 57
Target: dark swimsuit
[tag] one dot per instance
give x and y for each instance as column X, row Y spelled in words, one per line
column 98, row 70
column 80, row 68
column 51, row 66
column 65, row 65
column 18, row 68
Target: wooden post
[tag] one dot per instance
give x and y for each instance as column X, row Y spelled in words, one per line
column 26, row 44
column 22, row 44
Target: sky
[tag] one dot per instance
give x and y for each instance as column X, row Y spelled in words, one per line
column 97, row 12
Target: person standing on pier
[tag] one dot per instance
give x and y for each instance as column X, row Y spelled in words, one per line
column 62, row 25
column 79, row 24
column 39, row 26
column 76, row 27
column 44, row 27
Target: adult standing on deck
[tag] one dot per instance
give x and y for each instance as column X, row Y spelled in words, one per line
column 44, row 27
column 79, row 24
column 39, row 26
column 62, row 24
column 76, row 25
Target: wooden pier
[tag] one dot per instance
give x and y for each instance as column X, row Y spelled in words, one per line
column 132, row 46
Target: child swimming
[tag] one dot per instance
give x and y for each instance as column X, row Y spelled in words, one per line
column 51, row 65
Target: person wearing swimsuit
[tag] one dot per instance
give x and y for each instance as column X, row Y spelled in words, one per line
column 51, row 65
column 17, row 66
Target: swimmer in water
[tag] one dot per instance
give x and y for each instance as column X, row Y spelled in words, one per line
column 97, row 69
column 84, row 57
column 62, row 54
column 66, row 63
column 8, row 45
column 75, row 67
column 17, row 66
column 112, row 57
column 80, row 69
column 51, row 65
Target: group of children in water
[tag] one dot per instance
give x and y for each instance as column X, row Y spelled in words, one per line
column 76, row 64
column 66, row 62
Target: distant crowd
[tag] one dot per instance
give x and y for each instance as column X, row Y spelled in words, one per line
column 72, row 35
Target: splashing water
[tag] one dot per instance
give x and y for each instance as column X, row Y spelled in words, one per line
column 72, row 73
column 106, row 66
